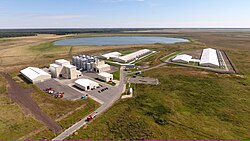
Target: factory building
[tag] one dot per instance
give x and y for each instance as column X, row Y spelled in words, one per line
column 133, row 56
column 35, row 75
column 63, row 68
column 111, row 55
column 184, row 58
column 209, row 58
column 86, row 84
column 104, row 76
column 90, row 64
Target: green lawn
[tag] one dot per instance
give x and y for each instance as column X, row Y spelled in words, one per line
column 116, row 75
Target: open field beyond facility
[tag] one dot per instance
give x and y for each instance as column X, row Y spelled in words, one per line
column 187, row 103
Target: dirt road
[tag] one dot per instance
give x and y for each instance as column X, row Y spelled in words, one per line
column 22, row 97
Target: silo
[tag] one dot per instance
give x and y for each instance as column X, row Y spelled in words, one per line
column 92, row 66
column 78, row 63
column 88, row 66
column 73, row 60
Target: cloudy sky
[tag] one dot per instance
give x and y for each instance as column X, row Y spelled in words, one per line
column 124, row 13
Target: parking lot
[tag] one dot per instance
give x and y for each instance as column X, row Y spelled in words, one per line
column 69, row 93
column 143, row 80
column 102, row 94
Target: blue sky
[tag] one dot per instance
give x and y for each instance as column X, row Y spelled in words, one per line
column 124, row 13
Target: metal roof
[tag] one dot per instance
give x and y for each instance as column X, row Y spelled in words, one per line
column 70, row 66
column 209, row 57
column 32, row 72
column 105, row 74
column 112, row 55
column 134, row 55
column 62, row 61
column 54, row 65
column 183, row 57
column 86, row 82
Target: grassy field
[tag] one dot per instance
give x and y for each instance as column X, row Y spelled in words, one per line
column 14, row 122
column 88, row 107
column 188, row 103
column 18, row 123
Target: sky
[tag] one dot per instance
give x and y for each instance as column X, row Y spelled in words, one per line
column 124, row 14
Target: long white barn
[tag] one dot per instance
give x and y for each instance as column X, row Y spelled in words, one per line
column 209, row 58
column 133, row 56
column 35, row 75
column 184, row 58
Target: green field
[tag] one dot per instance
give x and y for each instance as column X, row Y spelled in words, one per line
column 188, row 104
column 184, row 106
column 14, row 122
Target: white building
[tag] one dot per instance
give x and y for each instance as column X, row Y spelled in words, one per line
column 62, row 68
column 100, row 66
column 184, row 58
column 35, row 75
column 133, row 56
column 86, row 84
column 111, row 55
column 62, row 62
column 105, row 76
column 209, row 58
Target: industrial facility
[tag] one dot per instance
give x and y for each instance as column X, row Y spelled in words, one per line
column 63, row 68
column 104, row 76
column 209, row 58
column 35, row 75
column 86, row 84
column 132, row 56
column 90, row 64
column 111, row 55
column 184, row 58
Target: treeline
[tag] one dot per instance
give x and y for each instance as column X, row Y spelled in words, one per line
column 33, row 32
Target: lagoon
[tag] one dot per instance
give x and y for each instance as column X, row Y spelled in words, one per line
column 118, row 40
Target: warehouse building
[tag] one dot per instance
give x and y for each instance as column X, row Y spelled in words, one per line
column 133, row 56
column 90, row 64
column 35, row 75
column 184, row 58
column 111, row 55
column 63, row 68
column 86, row 84
column 209, row 58
column 104, row 76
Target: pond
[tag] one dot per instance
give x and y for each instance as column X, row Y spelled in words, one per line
column 118, row 40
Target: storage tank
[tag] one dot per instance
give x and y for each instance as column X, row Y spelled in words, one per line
column 88, row 66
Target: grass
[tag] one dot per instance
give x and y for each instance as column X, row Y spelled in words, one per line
column 165, row 58
column 187, row 104
column 116, row 75
column 14, row 122
column 44, row 46
column 56, row 108
column 88, row 108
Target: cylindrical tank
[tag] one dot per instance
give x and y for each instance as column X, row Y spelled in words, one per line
column 88, row 66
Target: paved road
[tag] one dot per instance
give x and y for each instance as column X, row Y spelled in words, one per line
column 117, row 94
